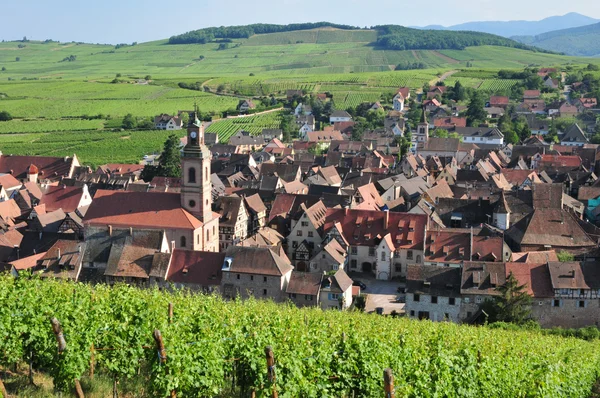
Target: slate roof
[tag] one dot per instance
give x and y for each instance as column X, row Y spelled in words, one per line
column 487, row 132
column 340, row 282
column 433, row 280
column 63, row 260
column 229, row 208
column 482, row 278
column 574, row 134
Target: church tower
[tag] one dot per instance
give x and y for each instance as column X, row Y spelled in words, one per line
column 196, row 191
column 423, row 128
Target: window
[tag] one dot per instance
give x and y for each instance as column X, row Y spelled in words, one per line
column 264, row 292
column 371, row 251
column 446, row 315
column 416, row 297
column 264, row 279
column 581, row 304
column 310, row 234
column 305, row 223
column 382, row 256
column 409, row 254
column 434, row 300
column 183, row 241
column 192, row 203
column 582, row 292
column 324, row 255
column 398, row 267
column 451, row 301
column 251, row 277
column 238, row 276
column 206, row 173
column 478, row 300
column 292, row 295
column 354, row 250
column 418, row 260
column 294, row 244
column 298, row 233
column 353, row 264
column 412, row 313
column 334, row 296
column 192, row 175
column 556, row 303
column 207, row 236
column 308, row 297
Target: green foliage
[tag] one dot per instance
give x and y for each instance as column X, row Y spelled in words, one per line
column 564, row 256
column 288, row 127
column 513, row 304
column 169, row 164
column 476, row 110
column 429, row 359
column 129, row 122
column 70, row 58
column 393, row 37
column 5, row 116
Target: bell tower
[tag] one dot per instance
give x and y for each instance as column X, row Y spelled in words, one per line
column 196, row 196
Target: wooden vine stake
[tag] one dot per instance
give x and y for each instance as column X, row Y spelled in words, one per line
column 388, row 383
column 271, row 369
column 162, row 353
column 62, row 346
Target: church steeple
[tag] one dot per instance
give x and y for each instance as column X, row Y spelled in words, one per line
column 423, row 127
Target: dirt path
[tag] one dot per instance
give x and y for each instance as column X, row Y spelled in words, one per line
column 444, row 76
column 417, row 56
column 187, row 66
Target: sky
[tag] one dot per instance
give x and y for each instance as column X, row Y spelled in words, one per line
column 126, row 21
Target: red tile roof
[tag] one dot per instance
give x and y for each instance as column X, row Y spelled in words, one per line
column 404, row 91
column 196, row 268
column 51, row 168
column 307, row 283
column 62, row 197
column 8, row 181
column 531, row 94
column 450, row 122
column 366, row 227
column 140, row 209
column 454, row 245
column 535, row 277
column 120, row 168
column 496, row 100
column 518, row 177
column 560, row 161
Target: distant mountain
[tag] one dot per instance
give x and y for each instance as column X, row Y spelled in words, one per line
column 581, row 41
column 522, row 28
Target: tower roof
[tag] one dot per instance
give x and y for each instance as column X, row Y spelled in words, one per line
column 502, row 206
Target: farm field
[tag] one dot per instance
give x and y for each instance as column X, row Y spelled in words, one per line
column 252, row 124
column 217, row 348
column 93, row 148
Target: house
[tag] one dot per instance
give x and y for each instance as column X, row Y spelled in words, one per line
column 255, row 272
column 167, row 122
column 402, row 95
column 9, row 186
column 480, row 135
column 494, row 112
column 497, row 101
column 336, row 291
column 531, row 94
column 449, row 122
column 291, row 94
column 433, row 293
column 448, row 148
column 382, row 243
column 304, row 288
column 233, row 221
column 551, row 83
column 331, row 257
column 195, row 270
column 323, row 137
column 479, row 281
column 431, row 105
column 257, row 213
column 568, row 110
column 584, row 104
column 62, row 261
column 245, row 106
column 574, row 136
column 436, row 91
column 69, row 199
column 340, row 116
column 245, row 142
column 306, row 235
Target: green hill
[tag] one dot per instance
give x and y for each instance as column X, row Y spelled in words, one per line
column 216, row 348
column 581, row 41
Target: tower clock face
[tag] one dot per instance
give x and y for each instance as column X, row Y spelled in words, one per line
column 193, row 134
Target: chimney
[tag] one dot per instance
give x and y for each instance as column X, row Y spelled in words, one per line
column 110, row 230
column 58, row 255
column 130, row 231
column 386, row 219
column 172, row 246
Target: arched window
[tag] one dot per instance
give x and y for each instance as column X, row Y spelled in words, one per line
column 192, row 175
column 183, row 241
column 207, row 235
column 206, row 173
column 418, row 259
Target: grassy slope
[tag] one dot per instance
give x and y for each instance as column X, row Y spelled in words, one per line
column 580, row 41
column 341, row 62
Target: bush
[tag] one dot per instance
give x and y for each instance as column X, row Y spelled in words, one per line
column 129, row 122
column 5, row 116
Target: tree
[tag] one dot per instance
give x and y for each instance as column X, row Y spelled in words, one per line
column 476, row 110
column 458, row 92
column 288, row 127
column 513, row 304
column 149, row 172
column 129, row 122
column 4, row 69
column 564, row 256
column 148, row 77
column 5, row 116
column 511, row 137
column 169, row 164
column 17, row 59
column 524, row 132
column 440, row 133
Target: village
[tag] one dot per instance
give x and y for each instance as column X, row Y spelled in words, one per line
column 425, row 216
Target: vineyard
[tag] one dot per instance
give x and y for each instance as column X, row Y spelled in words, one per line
column 253, row 124
column 209, row 347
